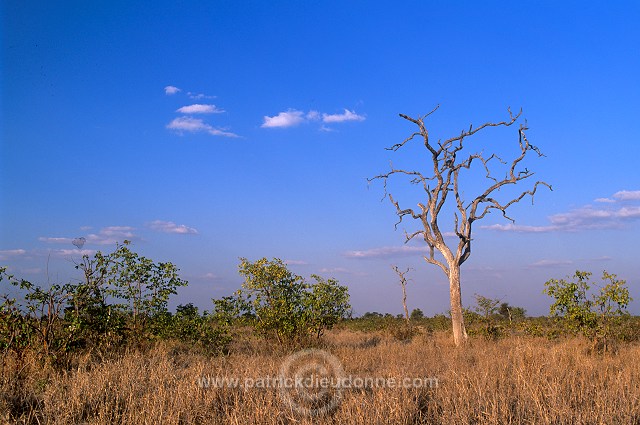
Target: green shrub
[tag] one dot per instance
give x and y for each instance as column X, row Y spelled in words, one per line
column 597, row 315
column 281, row 305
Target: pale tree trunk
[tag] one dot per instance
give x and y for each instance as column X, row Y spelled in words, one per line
column 403, row 284
column 404, row 303
column 457, row 320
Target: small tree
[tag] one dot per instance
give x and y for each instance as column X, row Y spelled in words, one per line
column 91, row 316
column 441, row 183
column 283, row 304
column 188, row 325
column 142, row 286
column 487, row 308
column 228, row 309
column 35, row 323
column 511, row 313
column 403, row 284
column 592, row 314
column 416, row 314
column 326, row 304
column 276, row 296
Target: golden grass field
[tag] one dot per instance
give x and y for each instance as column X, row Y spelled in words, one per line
column 515, row 380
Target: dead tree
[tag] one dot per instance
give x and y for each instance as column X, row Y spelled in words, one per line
column 441, row 183
column 403, row 284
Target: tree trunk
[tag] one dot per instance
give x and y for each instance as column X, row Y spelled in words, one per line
column 404, row 302
column 457, row 320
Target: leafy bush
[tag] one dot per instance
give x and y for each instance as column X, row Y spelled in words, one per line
column 37, row 322
column 189, row 326
column 596, row 315
column 511, row 313
column 416, row 314
column 122, row 298
column 325, row 305
column 281, row 304
column 487, row 310
column 140, row 287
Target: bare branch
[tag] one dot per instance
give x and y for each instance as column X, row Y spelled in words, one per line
column 399, row 145
column 432, row 260
column 401, row 213
column 443, row 178
column 473, row 131
column 493, row 204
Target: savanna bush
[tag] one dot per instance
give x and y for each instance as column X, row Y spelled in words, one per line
column 281, row 305
column 122, row 300
column 597, row 314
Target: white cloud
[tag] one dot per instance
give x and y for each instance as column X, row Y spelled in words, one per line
column 627, row 195
column 57, row 253
column 196, row 125
column 313, row 115
column 622, row 195
column 106, row 236
column 334, row 270
column 347, row 115
column 198, row 108
column 199, row 96
column 55, row 240
column 171, row 227
column 582, row 218
column 551, row 263
column 169, row 90
column 609, row 214
column 341, row 270
column 293, row 117
column 603, row 258
column 61, row 253
column 111, row 235
column 588, row 217
column 70, row 252
column 510, row 227
column 222, row 133
column 11, row 253
column 326, row 129
column 296, row 262
column 628, row 212
column 284, row 119
column 387, row 252
column 188, row 124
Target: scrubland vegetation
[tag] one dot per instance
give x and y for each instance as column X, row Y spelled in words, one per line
column 519, row 380
column 106, row 350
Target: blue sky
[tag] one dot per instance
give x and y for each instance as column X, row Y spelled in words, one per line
column 207, row 131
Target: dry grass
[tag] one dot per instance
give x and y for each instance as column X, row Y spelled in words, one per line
column 511, row 381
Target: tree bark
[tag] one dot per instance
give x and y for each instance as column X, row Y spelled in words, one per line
column 404, row 302
column 457, row 319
